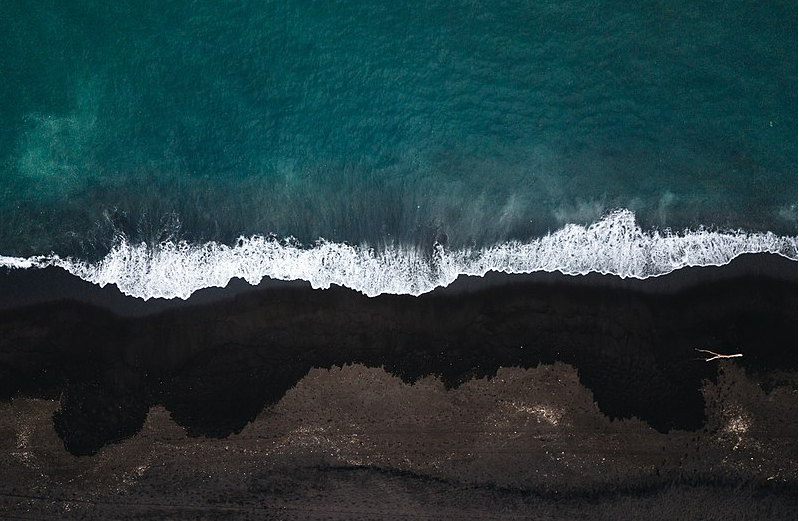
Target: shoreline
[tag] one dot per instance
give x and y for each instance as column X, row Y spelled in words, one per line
column 470, row 330
column 557, row 387
column 28, row 287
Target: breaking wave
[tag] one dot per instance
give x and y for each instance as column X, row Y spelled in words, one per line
column 614, row 245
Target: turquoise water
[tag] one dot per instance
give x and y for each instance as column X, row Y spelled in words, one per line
column 466, row 124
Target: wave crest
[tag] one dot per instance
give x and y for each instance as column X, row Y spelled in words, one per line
column 614, row 245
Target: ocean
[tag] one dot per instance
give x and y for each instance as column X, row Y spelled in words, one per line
column 340, row 142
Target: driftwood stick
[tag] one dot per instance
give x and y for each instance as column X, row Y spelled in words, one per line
column 717, row 356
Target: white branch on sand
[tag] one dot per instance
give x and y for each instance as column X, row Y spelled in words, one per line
column 717, row 356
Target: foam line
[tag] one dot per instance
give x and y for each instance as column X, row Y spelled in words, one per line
column 614, row 245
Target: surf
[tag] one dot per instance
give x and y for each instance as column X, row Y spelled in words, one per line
column 614, row 245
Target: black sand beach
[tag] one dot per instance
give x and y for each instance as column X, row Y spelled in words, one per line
column 535, row 396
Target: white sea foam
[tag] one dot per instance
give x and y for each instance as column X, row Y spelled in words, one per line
column 614, row 245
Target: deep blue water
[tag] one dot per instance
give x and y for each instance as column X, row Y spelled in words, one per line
column 462, row 123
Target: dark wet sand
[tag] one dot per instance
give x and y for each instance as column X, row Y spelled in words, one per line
column 508, row 397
